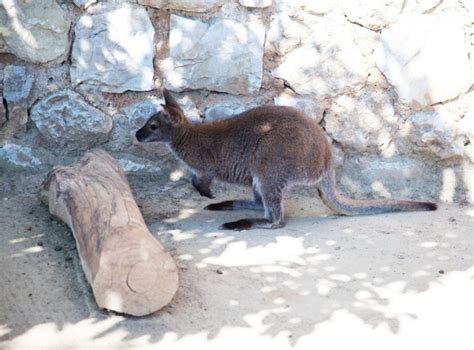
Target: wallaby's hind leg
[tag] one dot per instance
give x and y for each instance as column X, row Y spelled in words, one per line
column 254, row 204
column 273, row 218
column 273, row 203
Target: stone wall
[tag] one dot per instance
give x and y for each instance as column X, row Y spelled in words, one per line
column 391, row 82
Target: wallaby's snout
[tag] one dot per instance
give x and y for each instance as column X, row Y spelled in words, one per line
column 155, row 129
column 148, row 133
column 141, row 134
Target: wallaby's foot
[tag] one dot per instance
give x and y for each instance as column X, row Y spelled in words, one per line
column 247, row 224
column 235, row 204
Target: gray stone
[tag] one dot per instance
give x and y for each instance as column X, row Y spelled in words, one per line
column 420, row 6
column 114, row 49
column 221, row 111
column 48, row 80
column 425, row 57
column 83, row 4
column 17, row 83
column 3, row 114
column 120, row 138
column 293, row 22
column 465, row 128
column 133, row 165
column 256, row 3
column 19, row 155
column 285, row 33
column 372, row 14
column 296, row 7
column 225, row 56
column 434, row 133
column 363, row 123
column 327, row 64
column 310, row 106
column 17, row 120
column 397, row 177
column 469, row 7
column 184, row 5
column 66, row 120
column 35, row 31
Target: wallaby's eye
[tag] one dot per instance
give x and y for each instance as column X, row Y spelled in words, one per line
column 153, row 127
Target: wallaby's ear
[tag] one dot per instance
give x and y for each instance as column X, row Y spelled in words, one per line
column 170, row 101
column 176, row 115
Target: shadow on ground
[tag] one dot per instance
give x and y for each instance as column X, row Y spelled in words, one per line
column 323, row 279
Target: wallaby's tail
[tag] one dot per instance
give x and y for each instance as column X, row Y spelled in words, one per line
column 347, row 206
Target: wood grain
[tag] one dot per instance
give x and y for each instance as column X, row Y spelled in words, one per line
column 129, row 270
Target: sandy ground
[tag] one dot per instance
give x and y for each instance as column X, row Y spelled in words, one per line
column 395, row 281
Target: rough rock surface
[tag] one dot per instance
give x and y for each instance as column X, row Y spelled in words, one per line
column 19, row 155
column 132, row 165
column 17, row 84
column 221, row 111
column 202, row 56
column 363, row 124
column 425, row 57
column 420, row 6
column 296, row 7
column 434, row 133
column 256, row 3
column 387, row 80
column 35, row 31
column 400, row 176
column 327, row 64
column 84, row 3
column 285, row 34
column 314, row 109
column 3, row 115
column 372, row 14
column 66, row 120
column 114, row 50
column 184, row 5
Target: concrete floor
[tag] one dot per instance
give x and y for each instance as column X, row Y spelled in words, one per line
column 395, row 281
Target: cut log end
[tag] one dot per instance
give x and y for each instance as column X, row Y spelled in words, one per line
column 137, row 276
column 148, row 286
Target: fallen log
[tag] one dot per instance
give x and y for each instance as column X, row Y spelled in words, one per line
column 129, row 270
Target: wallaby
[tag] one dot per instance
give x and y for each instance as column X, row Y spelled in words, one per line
column 269, row 148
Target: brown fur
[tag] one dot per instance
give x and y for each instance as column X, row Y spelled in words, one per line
column 269, row 148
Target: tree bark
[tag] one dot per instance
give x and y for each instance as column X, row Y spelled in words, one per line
column 129, row 270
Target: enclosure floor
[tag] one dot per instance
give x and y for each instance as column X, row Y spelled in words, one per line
column 395, row 281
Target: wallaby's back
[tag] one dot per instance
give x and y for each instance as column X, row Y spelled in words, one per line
column 270, row 140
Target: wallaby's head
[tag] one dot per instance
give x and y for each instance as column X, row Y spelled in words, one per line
column 160, row 126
